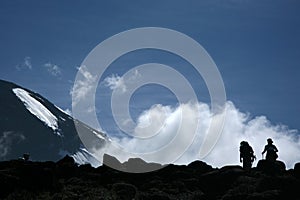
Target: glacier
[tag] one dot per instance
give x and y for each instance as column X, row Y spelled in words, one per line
column 37, row 109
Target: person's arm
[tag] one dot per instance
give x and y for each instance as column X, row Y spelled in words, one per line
column 275, row 148
column 241, row 159
column 253, row 155
column 264, row 150
column 251, row 150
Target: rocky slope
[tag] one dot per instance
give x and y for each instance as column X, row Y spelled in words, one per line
column 66, row 180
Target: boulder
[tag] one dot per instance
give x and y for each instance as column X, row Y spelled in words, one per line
column 199, row 167
column 297, row 170
column 66, row 167
column 271, row 168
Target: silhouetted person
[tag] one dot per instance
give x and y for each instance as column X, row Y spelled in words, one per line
column 271, row 150
column 246, row 155
column 26, row 156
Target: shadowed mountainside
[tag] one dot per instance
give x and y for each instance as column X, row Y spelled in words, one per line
column 66, row 180
column 36, row 126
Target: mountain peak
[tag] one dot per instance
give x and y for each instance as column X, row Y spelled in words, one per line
column 30, row 123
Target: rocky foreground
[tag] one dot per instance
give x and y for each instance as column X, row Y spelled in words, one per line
column 65, row 180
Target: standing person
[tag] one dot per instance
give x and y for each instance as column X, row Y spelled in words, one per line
column 246, row 155
column 271, row 150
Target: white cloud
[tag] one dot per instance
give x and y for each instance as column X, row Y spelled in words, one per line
column 115, row 82
column 53, row 69
column 82, row 86
column 26, row 64
column 238, row 126
column 119, row 83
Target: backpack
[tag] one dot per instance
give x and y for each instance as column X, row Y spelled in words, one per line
column 246, row 151
column 272, row 153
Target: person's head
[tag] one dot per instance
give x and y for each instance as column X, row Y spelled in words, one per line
column 26, row 156
column 270, row 141
column 244, row 143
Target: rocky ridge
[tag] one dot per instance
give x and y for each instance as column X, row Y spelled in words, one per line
column 67, row 180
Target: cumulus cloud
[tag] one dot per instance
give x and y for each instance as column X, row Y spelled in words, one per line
column 115, row 82
column 83, row 86
column 184, row 128
column 26, row 64
column 119, row 83
column 160, row 124
column 53, row 69
column 6, row 142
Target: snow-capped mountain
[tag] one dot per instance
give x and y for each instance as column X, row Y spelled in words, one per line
column 29, row 123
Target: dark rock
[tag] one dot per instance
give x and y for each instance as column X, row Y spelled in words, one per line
column 124, row 191
column 266, row 195
column 66, row 161
column 297, row 170
column 86, row 167
column 199, row 167
column 225, row 172
column 66, row 167
column 8, row 183
column 222, row 179
column 157, row 195
column 271, row 168
column 65, row 180
column 191, row 183
column 232, row 170
column 286, row 184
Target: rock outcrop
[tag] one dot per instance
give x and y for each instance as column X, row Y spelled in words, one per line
column 66, row 180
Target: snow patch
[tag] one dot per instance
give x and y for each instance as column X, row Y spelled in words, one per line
column 62, row 118
column 67, row 111
column 37, row 109
column 99, row 135
column 82, row 157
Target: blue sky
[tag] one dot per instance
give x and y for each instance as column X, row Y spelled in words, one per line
column 255, row 45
